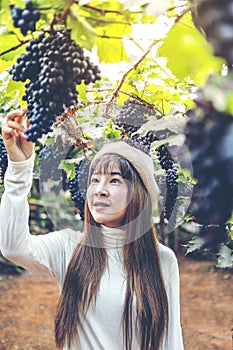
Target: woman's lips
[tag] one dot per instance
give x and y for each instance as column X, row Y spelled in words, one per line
column 101, row 204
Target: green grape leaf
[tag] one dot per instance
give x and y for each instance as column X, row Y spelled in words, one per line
column 173, row 123
column 81, row 31
column 174, row 140
column 110, row 132
column 68, row 165
column 109, row 40
column 225, row 257
column 188, row 53
column 196, row 243
column 10, row 47
column 53, row 4
column 16, row 90
column 82, row 92
column 4, row 65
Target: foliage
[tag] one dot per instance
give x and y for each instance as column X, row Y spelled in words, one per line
column 149, row 51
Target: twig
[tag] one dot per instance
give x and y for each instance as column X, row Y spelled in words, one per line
column 67, row 9
column 178, row 18
column 107, row 21
column 103, row 11
column 173, row 8
column 120, row 91
column 99, row 89
column 15, row 47
column 134, row 67
column 120, row 38
column 109, row 37
column 97, row 102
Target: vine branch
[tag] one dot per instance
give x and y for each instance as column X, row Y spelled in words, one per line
column 133, row 67
column 120, row 91
column 15, row 47
column 102, row 11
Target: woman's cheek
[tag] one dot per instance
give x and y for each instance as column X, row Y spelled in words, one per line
column 89, row 194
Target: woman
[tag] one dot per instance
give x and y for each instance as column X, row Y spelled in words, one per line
column 119, row 285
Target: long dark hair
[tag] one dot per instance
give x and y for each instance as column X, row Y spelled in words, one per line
column 141, row 264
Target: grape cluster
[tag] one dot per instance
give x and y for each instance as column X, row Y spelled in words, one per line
column 144, row 142
column 170, row 182
column 26, row 18
column 54, row 64
column 138, row 142
column 215, row 19
column 49, row 161
column 132, row 115
column 168, row 164
column 153, row 135
column 3, row 160
column 78, row 186
column 209, row 138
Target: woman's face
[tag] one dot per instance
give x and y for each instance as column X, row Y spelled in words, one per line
column 107, row 197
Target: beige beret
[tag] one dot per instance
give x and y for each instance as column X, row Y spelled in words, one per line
column 139, row 160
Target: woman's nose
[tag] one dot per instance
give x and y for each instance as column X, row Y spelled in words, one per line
column 101, row 190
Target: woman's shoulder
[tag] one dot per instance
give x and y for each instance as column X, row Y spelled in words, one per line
column 70, row 234
column 70, row 237
column 63, row 237
column 167, row 255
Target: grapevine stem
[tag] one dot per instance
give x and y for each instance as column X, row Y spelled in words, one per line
column 102, row 11
column 133, row 67
column 135, row 97
column 15, row 47
column 67, row 9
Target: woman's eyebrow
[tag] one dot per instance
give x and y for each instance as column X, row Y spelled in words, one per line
column 116, row 173
column 111, row 173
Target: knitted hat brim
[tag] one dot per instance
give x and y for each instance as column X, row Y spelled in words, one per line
column 139, row 160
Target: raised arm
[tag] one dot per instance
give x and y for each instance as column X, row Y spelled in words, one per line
column 42, row 254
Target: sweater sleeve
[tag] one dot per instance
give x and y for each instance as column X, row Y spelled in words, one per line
column 174, row 339
column 39, row 254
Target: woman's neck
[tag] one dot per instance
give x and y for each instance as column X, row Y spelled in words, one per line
column 113, row 236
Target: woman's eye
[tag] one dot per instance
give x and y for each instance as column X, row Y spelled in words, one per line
column 94, row 180
column 115, row 181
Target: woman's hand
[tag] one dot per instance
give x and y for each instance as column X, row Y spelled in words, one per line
column 17, row 146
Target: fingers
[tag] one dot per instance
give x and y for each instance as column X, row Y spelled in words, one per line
column 13, row 133
column 15, row 125
column 8, row 133
column 15, row 121
column 17, row 114
column 28, row 124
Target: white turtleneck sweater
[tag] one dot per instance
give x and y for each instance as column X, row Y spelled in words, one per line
column 51, row 253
